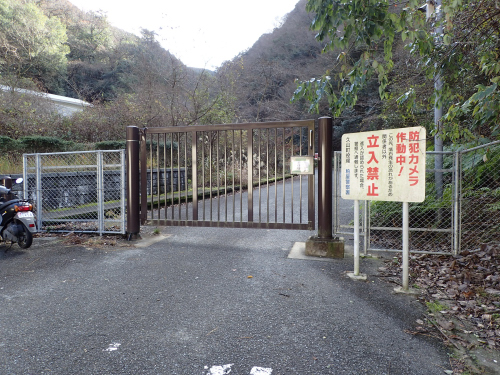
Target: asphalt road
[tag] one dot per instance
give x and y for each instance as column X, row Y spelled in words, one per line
column 204, row 301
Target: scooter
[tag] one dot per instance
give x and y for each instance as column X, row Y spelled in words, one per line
column 18, row 221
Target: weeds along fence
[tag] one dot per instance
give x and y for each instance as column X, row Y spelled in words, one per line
column 77, row 191
column 460, row 212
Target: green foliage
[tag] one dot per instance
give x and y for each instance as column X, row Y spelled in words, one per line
column 488, row 172
column 35, row 144
column 435, row 307
column 110, row 145
column 460, row 43
column 154, row 145
column 32, row 44
column 8, row 144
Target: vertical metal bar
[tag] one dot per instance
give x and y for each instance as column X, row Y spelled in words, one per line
column 284, row 163
column 165, row 172
column 39, row 191
column 311, row 203
column 260, row 177
column 158, row 173
column 225, row 173
column 150, row 192
column 267, row 171
column 171, row 170
column 194, row 163
column 218, row 175
column 368, row 225
column 234, row 162
column 100, row 198
column 365, row 227
column 241, row 175
column 250, row 173
column 203, row 172
column 151, row 177
column 123, row 191
column 144, row 177
column 460, row 199
column 25, row 176
column 179, row 186
column 356, row 237
column 291, row 175
column 186, row 183
column 336, row 168
column 275, row 175
column 300, row 176
column 325, row 178
column 456, row 202
column 210, row 164
column 406, row 246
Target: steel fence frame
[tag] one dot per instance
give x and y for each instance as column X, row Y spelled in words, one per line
column 457, row 204
column 102, row 172
column 254, row 146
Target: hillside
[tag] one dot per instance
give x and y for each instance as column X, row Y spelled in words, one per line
column 268, row 71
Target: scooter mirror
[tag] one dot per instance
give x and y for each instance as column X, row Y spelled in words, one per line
column 19, row 180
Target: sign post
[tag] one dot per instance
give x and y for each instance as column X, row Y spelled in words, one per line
column 384, row 165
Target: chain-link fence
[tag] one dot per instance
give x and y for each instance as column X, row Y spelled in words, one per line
column 461, row 209
column 480, row 196
column 77, row 191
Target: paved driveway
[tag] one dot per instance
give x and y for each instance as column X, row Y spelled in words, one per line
column 203, row 301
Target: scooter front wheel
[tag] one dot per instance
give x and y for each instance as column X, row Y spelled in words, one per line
column 24, row 239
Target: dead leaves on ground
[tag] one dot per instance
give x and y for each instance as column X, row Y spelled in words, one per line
column 464, row 290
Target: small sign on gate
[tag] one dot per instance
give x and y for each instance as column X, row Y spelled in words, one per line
column 302, row 165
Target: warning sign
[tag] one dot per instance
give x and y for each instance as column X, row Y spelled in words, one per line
column 384, row 165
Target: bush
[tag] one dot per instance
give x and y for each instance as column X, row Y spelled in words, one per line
column 8, row 144
column 110, row 145
column 40, row 144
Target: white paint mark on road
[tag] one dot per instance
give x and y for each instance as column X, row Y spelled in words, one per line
column 112, row 347
column 226, row 369
column 219, row 370
column 261, row 371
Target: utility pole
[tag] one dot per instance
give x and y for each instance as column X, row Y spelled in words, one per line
column 435, row 7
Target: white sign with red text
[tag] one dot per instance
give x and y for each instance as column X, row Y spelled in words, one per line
column 384, row 165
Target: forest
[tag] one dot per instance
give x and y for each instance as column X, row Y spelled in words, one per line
column 320, row 61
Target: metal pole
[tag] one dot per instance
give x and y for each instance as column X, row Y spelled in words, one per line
column 123, row 190
column 457, row 195
column 438, row 114
column 38, row 191
column 335, row 192
column 100, row 195
column 133, row 177
column 406, row 247
column 25, row 177
column 325, row 178
column 365, row 227
column 356, row 237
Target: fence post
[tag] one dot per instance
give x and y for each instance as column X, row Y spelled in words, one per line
column 38, row 184
column 325, row 191
column 457, row 191
column 133, row 178
column 100, row 193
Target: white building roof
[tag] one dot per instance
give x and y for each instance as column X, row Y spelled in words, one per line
column 64, row 105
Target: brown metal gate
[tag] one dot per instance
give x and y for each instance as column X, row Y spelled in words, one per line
column 235, row 175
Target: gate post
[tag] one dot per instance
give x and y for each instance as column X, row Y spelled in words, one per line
column 133, row 178
column 325, row 189
column 324, row 245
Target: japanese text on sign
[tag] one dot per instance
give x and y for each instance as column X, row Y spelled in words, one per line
column 387, row 165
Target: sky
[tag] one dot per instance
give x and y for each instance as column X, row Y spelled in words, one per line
column 201, row 33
